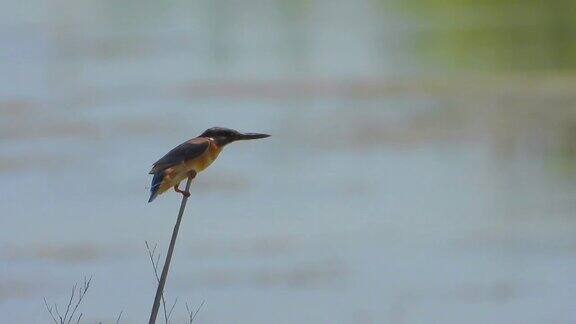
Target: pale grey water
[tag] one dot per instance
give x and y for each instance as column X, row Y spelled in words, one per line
column 387, row 194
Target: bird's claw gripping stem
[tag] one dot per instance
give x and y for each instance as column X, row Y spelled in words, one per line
column 191, row 175
column 184, row 193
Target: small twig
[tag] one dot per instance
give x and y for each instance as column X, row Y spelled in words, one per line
column 192, row 316
column 81, row 295
column 172, row 308
column 70, row 300
column 151, row 254
column 58, row 313
column 119, row 317
column 71, row 306
column 49, row 309
column 197, row 310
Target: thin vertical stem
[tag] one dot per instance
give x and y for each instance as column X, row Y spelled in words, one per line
column 166, row 267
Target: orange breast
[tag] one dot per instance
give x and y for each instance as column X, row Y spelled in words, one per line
column 203, row 161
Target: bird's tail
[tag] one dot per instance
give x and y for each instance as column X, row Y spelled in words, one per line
column 156, row 182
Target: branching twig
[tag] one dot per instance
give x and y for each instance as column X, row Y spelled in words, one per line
column 49, row 309
column 71, row 306
column 192, row 315
column 155, row 262
column 172, row 308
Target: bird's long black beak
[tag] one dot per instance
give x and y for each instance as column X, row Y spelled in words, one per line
column 251, row 136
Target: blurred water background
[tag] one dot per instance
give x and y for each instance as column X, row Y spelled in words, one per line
column 421, row 169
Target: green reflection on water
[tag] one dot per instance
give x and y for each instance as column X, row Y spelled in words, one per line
column 527, row 35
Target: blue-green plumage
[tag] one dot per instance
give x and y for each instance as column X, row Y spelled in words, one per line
column 156, row 182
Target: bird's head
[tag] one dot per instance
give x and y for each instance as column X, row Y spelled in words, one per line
column 224, row 136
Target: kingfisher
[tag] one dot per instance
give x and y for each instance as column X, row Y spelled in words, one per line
column 191, row 157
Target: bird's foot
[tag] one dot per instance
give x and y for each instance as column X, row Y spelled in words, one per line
column 184, row 193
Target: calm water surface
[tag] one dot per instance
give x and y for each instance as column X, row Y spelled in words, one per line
column 388, row 193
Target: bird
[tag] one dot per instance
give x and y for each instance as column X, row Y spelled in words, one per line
column 191, row 157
